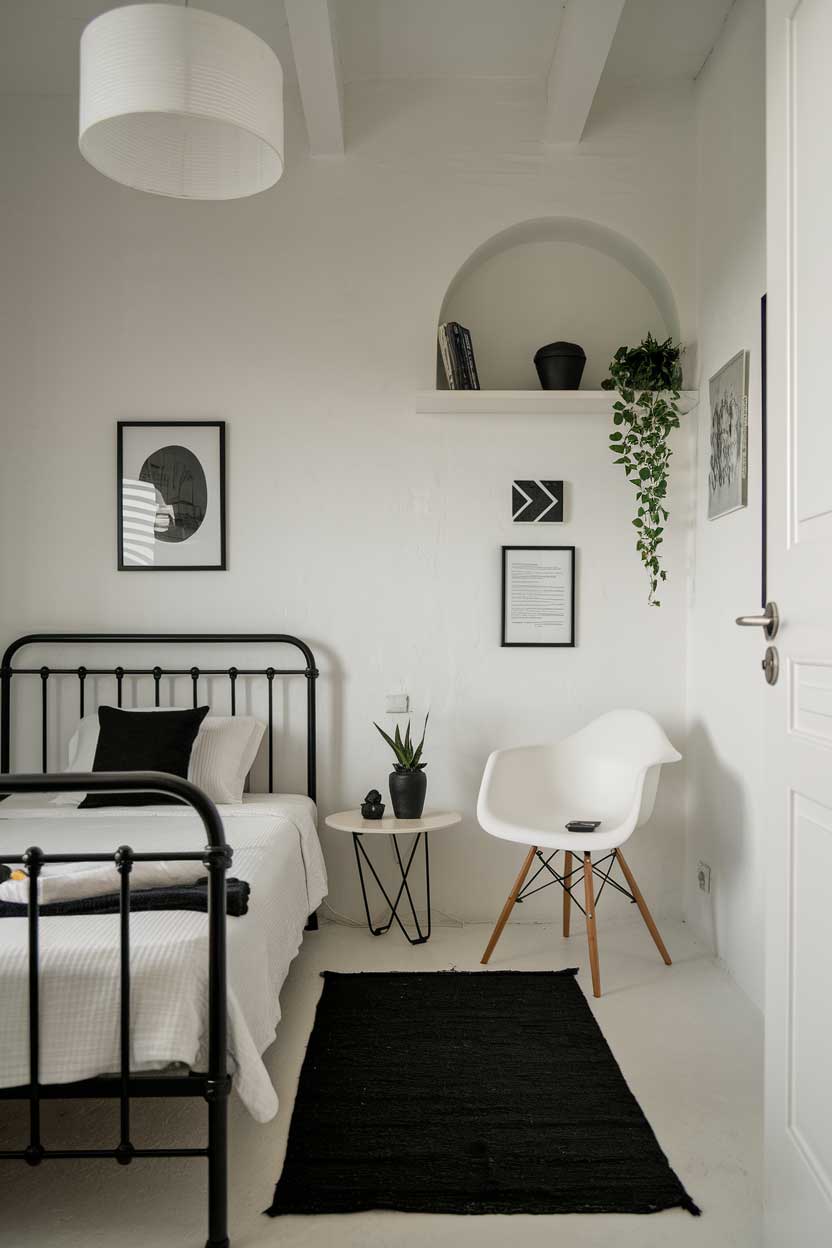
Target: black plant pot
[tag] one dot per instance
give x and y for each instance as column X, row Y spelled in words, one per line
column 560, row 365
column 407, row 793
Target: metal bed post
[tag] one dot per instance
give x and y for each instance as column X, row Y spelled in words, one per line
column 311, row 748
column 124, row 865
column 33, row 861
column 218, row 1084
column 5, row 709
column 44, row 713
column 311, row 765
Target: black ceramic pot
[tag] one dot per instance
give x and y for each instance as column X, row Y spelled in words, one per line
column 560, row 365
column 407, row 793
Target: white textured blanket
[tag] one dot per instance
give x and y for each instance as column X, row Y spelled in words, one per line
column 276, row 849
column 76, row 881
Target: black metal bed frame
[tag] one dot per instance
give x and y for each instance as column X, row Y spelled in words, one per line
column 214, row 1084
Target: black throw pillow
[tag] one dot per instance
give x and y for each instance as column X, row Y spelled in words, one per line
column 153, row 741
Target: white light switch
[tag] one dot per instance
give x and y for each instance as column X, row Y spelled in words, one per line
column 397, row 703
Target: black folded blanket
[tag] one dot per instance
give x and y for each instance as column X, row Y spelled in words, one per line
column 172, row 897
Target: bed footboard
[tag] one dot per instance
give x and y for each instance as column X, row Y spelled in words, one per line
column 214, row 1084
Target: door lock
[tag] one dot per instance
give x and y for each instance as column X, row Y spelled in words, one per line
column 771, row 665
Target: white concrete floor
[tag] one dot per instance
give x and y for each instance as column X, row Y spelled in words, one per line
column 688, row 1042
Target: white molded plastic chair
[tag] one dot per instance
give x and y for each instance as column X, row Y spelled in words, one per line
column 608, row 771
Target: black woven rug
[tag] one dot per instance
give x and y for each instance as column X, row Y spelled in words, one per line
column 482, row 1092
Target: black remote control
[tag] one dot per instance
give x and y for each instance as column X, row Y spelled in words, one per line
column 583, row 825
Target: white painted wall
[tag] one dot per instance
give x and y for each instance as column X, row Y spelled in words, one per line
column 305, row 318
column 726, row 687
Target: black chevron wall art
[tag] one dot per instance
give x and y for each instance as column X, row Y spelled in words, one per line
column 538, row 502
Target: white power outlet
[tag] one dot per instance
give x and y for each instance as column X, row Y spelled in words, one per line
column 397, row 703
column 703, row 875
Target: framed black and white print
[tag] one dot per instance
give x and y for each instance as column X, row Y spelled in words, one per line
column 538, row 600
column 728, row 467
column 171, row 496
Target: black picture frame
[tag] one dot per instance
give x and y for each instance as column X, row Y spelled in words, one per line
column 763, row 454
column 728, row 442
column 504, row 640
column 220, row 565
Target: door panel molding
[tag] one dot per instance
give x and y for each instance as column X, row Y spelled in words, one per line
column 810, row 699
column 809, row 866
column 808, row 98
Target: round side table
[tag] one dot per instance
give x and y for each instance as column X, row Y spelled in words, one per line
column 352, row 821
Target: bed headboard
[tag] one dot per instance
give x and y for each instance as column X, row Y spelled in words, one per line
column 11, row 677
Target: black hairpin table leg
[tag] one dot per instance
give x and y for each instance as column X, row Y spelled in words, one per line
column 404, row 887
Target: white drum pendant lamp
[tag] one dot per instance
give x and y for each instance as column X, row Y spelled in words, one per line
column 180, row 102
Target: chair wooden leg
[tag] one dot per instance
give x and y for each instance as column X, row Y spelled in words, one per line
column 509, row 906
column 642, row 905
column 567, row 897
column 591, row 932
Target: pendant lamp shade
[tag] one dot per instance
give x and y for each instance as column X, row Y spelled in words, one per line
column 180, row 102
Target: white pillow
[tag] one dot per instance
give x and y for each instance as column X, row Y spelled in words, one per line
column 224, row 751
column 222, row 756
column 82, row 743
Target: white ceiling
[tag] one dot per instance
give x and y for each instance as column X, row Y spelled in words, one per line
column 446, row 38
column 661, row 40
column 656, row 40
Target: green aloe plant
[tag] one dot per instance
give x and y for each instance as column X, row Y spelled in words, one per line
column 407, row 753
column 648, row 379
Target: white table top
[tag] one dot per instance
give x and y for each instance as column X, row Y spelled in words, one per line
column 432, row 821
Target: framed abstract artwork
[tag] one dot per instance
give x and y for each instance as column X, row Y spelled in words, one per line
column 537, row 502
column 728, row 467
column 171, row 496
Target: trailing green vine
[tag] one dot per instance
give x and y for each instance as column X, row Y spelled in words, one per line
column 648, row 379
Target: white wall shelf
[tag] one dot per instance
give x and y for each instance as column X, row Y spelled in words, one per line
column 527, row 402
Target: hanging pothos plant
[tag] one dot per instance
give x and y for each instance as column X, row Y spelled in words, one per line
column 648, row 379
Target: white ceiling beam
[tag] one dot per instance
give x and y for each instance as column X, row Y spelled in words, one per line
column 586, row 33
column 312, row 31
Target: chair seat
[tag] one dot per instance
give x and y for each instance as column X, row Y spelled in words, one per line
column 549, row 832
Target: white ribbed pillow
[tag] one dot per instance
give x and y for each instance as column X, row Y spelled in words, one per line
column 224, row 751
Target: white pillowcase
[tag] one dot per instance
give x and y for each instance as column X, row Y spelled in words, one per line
column 222, row 756
column 224, row 751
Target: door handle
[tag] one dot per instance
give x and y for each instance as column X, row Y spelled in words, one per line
column 769, row 621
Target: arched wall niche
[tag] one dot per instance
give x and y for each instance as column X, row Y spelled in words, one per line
column 555, row 278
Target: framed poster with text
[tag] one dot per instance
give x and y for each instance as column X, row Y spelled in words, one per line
column 538, row 596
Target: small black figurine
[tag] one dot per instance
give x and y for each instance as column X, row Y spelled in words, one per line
column 372, row 807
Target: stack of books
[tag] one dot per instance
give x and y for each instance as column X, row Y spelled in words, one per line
column 457, row 353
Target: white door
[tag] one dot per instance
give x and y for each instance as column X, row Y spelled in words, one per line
column 798, row 1079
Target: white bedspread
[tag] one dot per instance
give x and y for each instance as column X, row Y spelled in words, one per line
column 276, row 849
